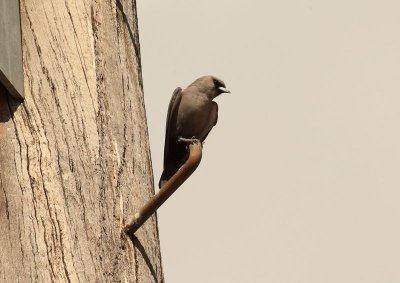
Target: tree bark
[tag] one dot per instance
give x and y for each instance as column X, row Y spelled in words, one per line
column 74, row 157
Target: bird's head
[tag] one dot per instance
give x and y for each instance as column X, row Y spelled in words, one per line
column 211, row 86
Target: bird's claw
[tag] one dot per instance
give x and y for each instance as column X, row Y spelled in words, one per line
column 192, row 140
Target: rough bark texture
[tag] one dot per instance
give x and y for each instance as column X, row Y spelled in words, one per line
column 74, row 157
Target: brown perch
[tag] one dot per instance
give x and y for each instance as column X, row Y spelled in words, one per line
column 195, row 153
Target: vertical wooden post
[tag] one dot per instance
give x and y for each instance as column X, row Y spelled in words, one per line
column 74, row 159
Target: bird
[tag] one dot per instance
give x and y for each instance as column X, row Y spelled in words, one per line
column 192, row 114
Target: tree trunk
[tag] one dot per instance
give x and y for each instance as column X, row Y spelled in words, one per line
column 74, row 157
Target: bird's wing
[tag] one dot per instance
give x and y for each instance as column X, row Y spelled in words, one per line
column 171, row 120
column 212, row 120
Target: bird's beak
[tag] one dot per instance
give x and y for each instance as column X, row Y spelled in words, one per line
column 223, row 90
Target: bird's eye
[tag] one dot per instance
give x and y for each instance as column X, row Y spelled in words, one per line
column 217, row 84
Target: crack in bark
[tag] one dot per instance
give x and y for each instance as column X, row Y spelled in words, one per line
column 7, row 208
column 49, row 257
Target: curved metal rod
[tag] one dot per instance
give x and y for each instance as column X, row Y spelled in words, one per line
column 195, row 154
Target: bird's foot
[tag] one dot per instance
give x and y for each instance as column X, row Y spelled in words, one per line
column 192, row 140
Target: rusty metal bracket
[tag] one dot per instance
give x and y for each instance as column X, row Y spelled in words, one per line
column 195, row 154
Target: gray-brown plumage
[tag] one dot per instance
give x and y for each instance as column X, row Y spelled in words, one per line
column 191, row 114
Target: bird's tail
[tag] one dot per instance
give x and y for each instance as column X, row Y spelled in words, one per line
column 163, row 180
column 161, row 183
column 166, row 175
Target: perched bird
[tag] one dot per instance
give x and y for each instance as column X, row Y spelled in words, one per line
column 191, row 114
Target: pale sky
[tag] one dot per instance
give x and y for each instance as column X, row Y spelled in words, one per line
column 300, row 179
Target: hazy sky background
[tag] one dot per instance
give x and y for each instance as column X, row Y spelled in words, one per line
column 300, row 179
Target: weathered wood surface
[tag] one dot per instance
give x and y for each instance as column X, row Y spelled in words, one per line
column 74, row 157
